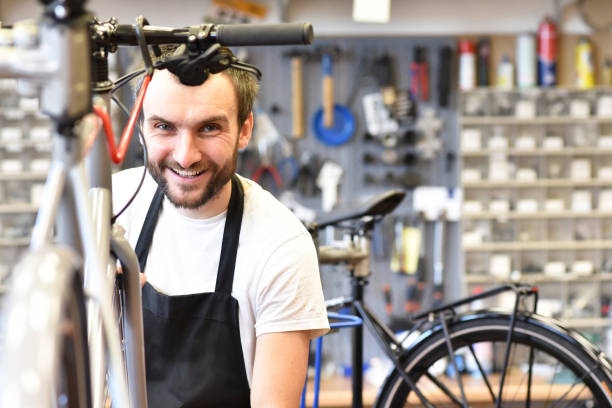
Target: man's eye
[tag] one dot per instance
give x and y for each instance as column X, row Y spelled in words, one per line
column 163, row 126
column 211, row 127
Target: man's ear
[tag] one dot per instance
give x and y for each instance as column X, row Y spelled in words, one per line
column 245, row 132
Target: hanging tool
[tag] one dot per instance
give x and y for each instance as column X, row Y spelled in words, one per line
column 385, row 75
column 438, row 263
column 419, row 71
column 415, row 282
column 387, row 297
column 405, row 108
column 429, row 124
column 333, row 124
column 297, row 100
column 267, row 169
column 328, row 181
column 297, row 58
column 266, row 139
column 397, row 254
column 444, row 76
column 308, row 169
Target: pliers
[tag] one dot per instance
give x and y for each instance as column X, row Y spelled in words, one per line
column 419, row 84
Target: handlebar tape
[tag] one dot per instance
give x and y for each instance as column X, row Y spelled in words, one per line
column 264, row 34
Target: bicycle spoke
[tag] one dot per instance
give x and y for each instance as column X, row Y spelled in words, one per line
column 453, row 361
column 482, row 373
column 530, row 377
column 443, row 388
column 578, row 380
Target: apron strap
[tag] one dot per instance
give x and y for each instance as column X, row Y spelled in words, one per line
column 231, row 235
column 229, row 245
column 146, row 234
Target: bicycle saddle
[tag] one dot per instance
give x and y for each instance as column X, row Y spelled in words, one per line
column 378, row 205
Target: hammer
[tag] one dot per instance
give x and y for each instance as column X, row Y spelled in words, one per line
column 297, row 92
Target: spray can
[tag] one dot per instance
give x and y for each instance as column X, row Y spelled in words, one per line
column 482, row 61
column 525, row 61
column 467, row 65
column 505, row 74
column 585, row 71
column 547, row 53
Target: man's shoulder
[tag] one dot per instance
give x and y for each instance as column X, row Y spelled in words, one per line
column 267, row 214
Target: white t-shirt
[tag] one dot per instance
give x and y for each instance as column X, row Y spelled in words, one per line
column 276, row 279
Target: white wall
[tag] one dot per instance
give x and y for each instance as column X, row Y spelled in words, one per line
column 334, row 17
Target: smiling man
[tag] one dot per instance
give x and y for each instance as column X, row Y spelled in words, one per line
column 232, row 294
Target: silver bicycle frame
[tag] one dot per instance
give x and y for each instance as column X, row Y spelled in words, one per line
column 57, row 64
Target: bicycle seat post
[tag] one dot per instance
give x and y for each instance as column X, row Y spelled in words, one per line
column 359, row 272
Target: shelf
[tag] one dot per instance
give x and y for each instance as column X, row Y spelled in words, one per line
column 540, row 151
column 27, row 175
column 538, row 120
column 538, row 183
column 487, row 215
column 18, row 208
column 14, row 242
column 537, row 246
column 540, row 278
column 493, row 89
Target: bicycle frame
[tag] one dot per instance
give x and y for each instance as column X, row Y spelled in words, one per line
column 80, row 209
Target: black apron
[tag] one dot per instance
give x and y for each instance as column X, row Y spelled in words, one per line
column 193, row 352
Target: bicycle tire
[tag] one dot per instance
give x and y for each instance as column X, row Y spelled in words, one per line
column 573, row 357
column 45, row 359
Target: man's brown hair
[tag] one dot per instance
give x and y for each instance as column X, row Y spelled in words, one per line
column 245, row 84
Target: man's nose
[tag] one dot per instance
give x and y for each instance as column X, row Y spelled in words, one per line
column 186, row 152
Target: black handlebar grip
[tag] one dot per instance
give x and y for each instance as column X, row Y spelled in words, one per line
column 264, row 34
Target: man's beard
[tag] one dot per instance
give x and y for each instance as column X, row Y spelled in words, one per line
column 219, row 176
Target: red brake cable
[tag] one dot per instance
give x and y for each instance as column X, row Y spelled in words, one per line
column 118, row 154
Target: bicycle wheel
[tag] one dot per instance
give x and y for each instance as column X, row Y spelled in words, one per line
column 44, row 351
column 548, row 366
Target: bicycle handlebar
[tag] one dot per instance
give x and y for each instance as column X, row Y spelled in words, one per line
column 224, row 34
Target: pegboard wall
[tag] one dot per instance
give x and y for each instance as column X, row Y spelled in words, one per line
column 350, row 86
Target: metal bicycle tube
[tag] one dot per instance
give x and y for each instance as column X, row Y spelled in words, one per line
column 101, row 205
column 451, row 354
column 507, row 353
column 357, row 284
column 134, row 336
column 67, row 230
column 52, row 195
column 97, row 264
column 373, row 324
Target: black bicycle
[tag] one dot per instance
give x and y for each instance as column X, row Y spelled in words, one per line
column 453, row 357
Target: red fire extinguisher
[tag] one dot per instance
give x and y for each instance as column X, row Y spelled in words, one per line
column 547, row 53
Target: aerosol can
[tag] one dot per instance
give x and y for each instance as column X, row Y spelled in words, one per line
column 585, row 70
column 547, row 53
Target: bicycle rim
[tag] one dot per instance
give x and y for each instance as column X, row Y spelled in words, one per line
column 546, row 368
column 44, row 354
